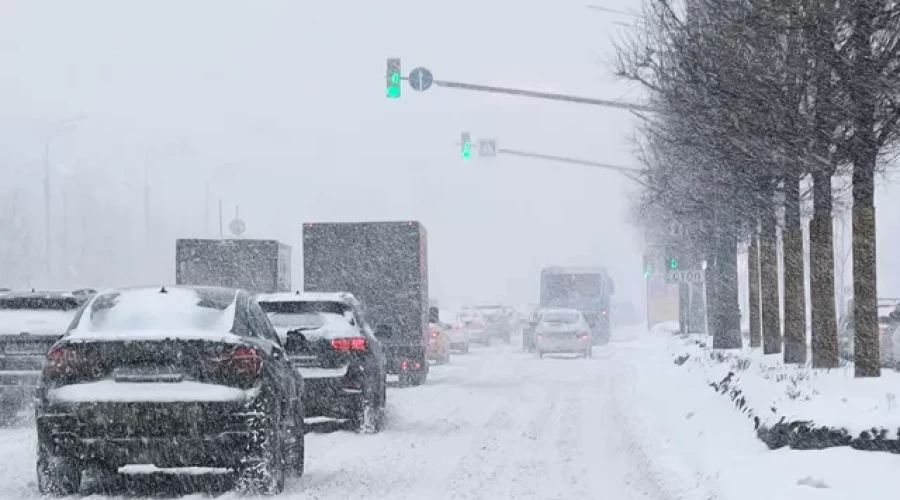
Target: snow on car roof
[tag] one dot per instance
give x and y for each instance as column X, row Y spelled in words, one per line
column 574, row 270
column 158, row 312
column 306, row 297
column 559, row 310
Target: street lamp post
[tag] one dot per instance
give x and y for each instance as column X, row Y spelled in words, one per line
column 57, row 129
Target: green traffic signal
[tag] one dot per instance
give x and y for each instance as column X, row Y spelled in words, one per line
column 393, row 90
column 393, row 78
column 465, row 142
column 673, row 263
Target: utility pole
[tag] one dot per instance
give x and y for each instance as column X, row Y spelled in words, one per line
column 58, row 128
column 221, row 224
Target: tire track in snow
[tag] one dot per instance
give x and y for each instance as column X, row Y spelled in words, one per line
column 568, row 454
column 484, row 466
column 531, row 472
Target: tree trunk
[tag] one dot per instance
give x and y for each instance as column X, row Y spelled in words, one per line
column 753, row 278
column 821, row 278
column 768, row 283
column 728, row 334
column 794, row 277
column 867, row 341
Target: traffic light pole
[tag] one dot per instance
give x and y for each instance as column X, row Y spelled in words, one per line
column 540, row 95
column 631, row 173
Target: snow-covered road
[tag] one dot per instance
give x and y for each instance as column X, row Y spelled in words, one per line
column 501, row 424
column 497, row 423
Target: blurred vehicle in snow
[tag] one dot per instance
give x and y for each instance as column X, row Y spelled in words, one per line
column 438, row 344
column 563, row 331
column 528, row 329
column 456, row 331
column 586, row 289
column 498, row 323
column 475, row 326
column 30, row 323
column 173, row 377
column 385, row 266
column 888, row 321
column 258, row 266
column 329, row 341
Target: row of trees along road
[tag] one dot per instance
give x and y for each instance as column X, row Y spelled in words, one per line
column 752, row 97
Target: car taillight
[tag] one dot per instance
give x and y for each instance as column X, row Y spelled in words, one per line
column 434, row 334
column 585, row 336
column 350, row 344
column 63, row 361
column 243, row 360
column 540, row 337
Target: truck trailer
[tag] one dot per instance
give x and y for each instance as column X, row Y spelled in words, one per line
column 385, row 266
column 258, row 266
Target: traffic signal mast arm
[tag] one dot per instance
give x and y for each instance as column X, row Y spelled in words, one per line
column 541, row 95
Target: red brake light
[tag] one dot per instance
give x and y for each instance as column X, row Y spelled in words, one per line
column 434, row 333
column 63, row 361
column 349, row 344
column 244, row 360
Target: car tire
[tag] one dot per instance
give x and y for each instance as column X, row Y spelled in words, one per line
column 368, row 413
column 540, row 354
column 297, row 456
column 263, row 472
column 465, row 349
column 57, row 475
column 589, row 353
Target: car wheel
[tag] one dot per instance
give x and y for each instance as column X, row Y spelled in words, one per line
column 297, row 460
column 589, row 353
column 367, row 414
column 540, row 354
column 263, row 472
column 57, row 475
column 465, row 349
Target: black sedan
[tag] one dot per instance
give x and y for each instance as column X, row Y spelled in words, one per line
column 172, row 377
column 330, row 343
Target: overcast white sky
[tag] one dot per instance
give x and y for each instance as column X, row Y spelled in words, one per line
column 294, row 93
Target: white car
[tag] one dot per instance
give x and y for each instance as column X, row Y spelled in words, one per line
column 562, row 331
column 457, row 333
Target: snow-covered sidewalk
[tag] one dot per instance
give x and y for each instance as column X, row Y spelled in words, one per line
column 699, row 436
column 794, row 405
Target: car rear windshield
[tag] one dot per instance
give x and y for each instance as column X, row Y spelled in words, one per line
column 564, row 318
column 303, row 306
column 152, row 309
column 39, row 303
column 306, row 320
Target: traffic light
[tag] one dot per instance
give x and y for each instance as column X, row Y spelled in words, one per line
column 466, row 145
column 672, row 262
column 393, row 78
column 648, row 268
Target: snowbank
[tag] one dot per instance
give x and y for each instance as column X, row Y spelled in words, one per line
column 796, row 406
column 688, row 428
